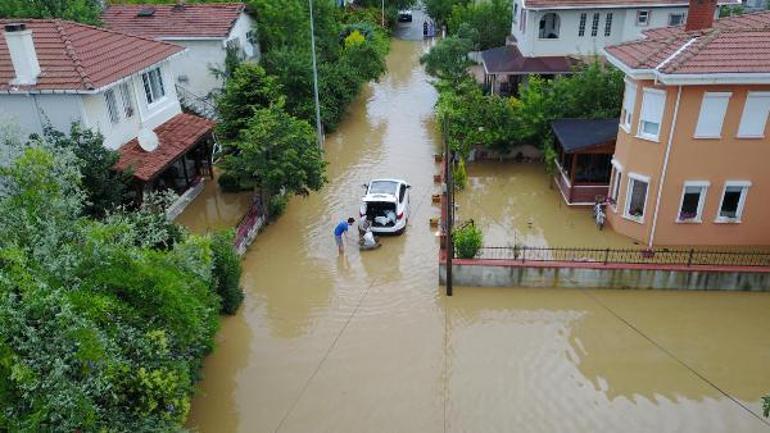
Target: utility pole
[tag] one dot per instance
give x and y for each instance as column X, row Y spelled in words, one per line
column 319, row 127
column 448, row 178
column 382, row 14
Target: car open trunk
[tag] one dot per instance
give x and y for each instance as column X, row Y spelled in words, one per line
column 381, row 213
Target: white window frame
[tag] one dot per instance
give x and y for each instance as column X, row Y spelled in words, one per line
column 741, row 134
column 628, row 115
column 640, row 127
column 617, row 178
column 677, row 14
column 595, row 24
column 704, row 186
column 635, row 177
column 111, row 102
column 149, row 92
column 703, row 122
column 745, row 185
column 128, row 102
column 607, row 24
column 646, row 13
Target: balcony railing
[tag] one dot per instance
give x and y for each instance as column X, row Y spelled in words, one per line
column 681, row 257
column 196, row 104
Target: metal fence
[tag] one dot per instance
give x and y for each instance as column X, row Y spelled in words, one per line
column 691, row 257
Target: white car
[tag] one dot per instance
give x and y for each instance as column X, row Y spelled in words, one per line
column 386, row 205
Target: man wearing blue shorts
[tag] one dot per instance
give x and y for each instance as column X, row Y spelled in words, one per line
column 340, row 230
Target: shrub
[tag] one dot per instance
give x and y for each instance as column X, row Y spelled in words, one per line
column 460, row 175
column 277, row 205
column 229, row 182
column 467, row 241
column 226, row 271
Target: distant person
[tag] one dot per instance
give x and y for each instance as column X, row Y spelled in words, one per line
column 340, row 231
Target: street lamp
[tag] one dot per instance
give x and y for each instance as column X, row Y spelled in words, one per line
column 315, row 79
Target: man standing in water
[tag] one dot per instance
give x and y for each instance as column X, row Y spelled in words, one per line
column 340, row 230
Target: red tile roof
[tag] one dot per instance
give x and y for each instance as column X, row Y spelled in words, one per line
column 587, row 4
column 78, row 57
column 175, row 137
column 212, row 20
column 733, row 45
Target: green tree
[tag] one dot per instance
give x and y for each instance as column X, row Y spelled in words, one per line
column 248, row 90
column 276, row 153
column 84, row 11
column 491, row 19
column 467, row 240
column 440, row 10
column 120, row 327
column 448, row 59
column 226, row 271
column 105, row 188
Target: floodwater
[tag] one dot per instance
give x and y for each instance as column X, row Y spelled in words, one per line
column 367, row 342
column 535, row 216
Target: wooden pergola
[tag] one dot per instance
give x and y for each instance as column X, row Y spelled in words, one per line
column 585, row 148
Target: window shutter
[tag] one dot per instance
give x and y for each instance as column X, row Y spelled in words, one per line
column 653, row 103
column 754, row 117
column 712, row 114
column 628, row 102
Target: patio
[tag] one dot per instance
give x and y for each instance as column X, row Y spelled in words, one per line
column 517, row 203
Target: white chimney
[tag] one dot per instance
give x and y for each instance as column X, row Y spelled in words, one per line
column 23, row 54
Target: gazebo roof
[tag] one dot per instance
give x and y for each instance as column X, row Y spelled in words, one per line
column 509, row 60
column 579, row 134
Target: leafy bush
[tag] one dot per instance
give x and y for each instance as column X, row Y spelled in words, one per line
column 277, row 205
column 467, row 240
column 491, row 19
column 766, row 406
column 229, row 182
column 123, row 308
column 105, row 188
column 226, row 271
column 344, row 65
column 460, row 175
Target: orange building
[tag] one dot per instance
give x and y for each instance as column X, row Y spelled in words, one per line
column 692, row 157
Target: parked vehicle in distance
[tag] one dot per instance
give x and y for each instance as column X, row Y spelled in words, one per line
column 386, row 205
column 405, row 16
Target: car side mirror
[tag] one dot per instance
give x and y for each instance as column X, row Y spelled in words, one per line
column 408, row 186
column 364, row 185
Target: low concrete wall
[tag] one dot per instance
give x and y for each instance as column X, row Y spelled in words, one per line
column 510, row 274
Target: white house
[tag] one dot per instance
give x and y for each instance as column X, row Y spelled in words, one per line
column 547, row 36
column 56, row 72
column 206, row 30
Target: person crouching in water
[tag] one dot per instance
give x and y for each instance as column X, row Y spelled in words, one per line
column 367, row 240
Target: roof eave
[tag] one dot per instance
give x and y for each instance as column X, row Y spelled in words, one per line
column 624, row 6
column 718, row 78
column 88, row 91
column 636, row 74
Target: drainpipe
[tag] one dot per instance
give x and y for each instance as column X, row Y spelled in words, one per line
column 664, row 170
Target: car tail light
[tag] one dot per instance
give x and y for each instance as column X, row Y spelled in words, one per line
column 399, row 216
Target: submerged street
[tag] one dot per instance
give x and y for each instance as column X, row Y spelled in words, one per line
column 368, row 342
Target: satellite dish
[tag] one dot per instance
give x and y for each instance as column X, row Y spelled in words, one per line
column 248, row 49
column 148, row 140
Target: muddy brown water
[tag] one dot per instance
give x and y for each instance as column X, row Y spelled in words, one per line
column 368, row 343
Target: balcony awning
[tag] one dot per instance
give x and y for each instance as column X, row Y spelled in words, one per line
column 580, row 134
column 508, row 60
column 175, row 138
